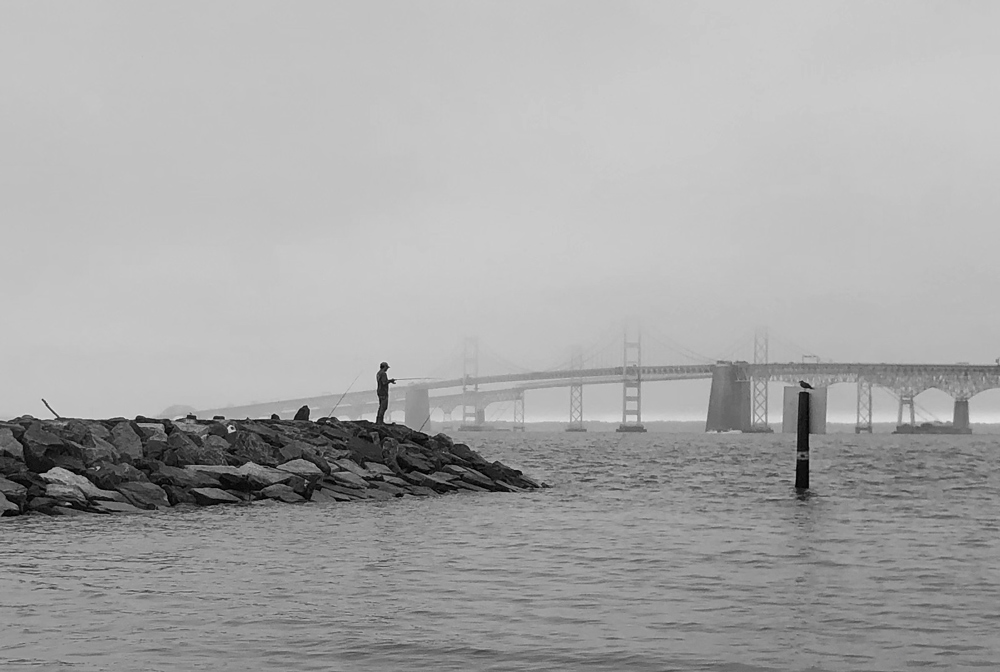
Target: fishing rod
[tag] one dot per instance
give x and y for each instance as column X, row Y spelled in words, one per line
column 423, row 378
column 330, row 414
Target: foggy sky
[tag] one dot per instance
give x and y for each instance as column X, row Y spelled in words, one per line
column 212, row 203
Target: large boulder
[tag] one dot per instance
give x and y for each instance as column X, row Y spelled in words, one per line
column 66, row 494
column 346, row 479
column 413, row 462
column 91, row 491
column 127, row 442
column 15, row 492
column 250, row 447
column 110, row 476
column 182, row 451
column 144, row 495
column 259, row 477
column 10, row 465
column 152, row 430
column 40, row 445
column 282, row 493
column 96, row 449
column 184, row 478
column 303, row 468
column 115, row 507
column 9, row 445
column 349, row 465
column 7, row 507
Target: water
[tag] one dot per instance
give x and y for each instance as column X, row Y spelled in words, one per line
column 651, row 552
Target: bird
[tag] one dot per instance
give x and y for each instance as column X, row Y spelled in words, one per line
column 804, row 385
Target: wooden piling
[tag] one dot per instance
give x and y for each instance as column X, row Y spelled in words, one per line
column 802, row 444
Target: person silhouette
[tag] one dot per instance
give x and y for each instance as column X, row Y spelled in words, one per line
column 382, row 381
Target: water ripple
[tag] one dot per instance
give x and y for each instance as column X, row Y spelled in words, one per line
column 654, row 552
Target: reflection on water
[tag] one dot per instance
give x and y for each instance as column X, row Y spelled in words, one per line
column 652, row 552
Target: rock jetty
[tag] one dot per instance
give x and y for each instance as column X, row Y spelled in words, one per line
column 71, row 466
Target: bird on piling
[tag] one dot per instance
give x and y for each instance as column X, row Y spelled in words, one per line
column 805, row 386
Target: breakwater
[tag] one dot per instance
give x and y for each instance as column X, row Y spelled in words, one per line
column 75, row 466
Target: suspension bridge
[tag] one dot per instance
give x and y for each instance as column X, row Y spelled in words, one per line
column 738, row 400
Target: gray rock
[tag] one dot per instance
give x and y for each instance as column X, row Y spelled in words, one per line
column 347, row 480
column 96, row 449
column 321, row 496
column 15, row 492
column 40, row 445
column 116, row 507
column 437, row 484
column 152, row 430
column 9, row 446
column 216, row 470
column 65, row 494
column 144, row 495
column 411, row 462
column 393, row 480
column 212, row 496
column 303, row 468
column 182, row 451
column 261, row 477
column 346, row 494
column 249, row 447
column 127, row 442
column 462, row 485
column 283, row 493
column 7, row 507
column 90, row 491
column 470, row 476
column 377, row 469
column 183, row 477
column 389, row 488
column 109, row 476
column 352, row 466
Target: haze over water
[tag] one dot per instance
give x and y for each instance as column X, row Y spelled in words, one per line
column 654, row 552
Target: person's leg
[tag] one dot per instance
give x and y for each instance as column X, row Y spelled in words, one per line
column 383, row 404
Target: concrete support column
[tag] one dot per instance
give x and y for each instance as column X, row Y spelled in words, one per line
column 729, row 401
column 418, row 409
column 960, row 416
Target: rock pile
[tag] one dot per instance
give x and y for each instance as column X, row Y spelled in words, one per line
column 68, row 466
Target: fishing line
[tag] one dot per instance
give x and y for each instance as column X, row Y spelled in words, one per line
column 344, row 394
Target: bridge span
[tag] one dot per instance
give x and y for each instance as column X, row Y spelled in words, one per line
column 737, row 401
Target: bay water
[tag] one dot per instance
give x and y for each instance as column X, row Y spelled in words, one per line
column 649, row 552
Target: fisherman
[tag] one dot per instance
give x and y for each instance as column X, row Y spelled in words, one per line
column 383, row 381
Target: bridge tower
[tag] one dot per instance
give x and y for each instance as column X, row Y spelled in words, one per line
column 906, row 399
column 470, row 390
column 576, row 393
column 864, row 422
column 519, row 412
column 758, row 422
column 631, row 383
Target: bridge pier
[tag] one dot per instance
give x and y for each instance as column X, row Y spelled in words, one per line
column 576, row 395
column 864, row 418
column 632, row 385
column 418, row 409
column 729, row 401
column 960, row 415
column 906, row 399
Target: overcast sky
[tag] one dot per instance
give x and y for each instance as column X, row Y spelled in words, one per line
column 210, row 203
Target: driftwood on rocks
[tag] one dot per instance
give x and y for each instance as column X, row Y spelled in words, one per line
column 69, row 466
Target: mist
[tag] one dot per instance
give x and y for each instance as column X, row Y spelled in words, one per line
column 249, row 201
